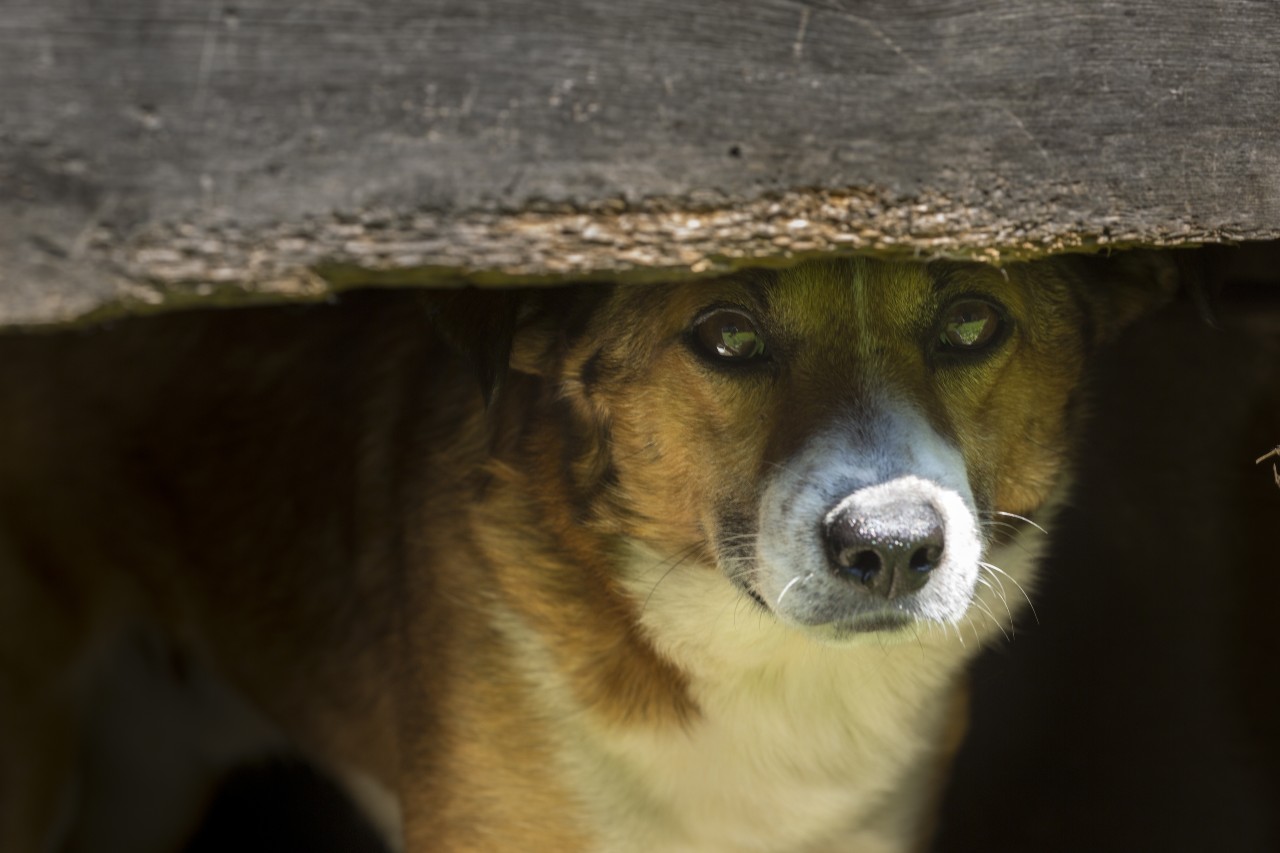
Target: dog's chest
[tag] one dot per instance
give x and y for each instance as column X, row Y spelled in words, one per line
column 762, row 771
column 796, row 745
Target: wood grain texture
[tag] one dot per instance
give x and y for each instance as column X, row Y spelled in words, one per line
column 165, row 150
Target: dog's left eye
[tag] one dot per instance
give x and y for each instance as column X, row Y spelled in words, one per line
column 970, row 324
column 729, row 334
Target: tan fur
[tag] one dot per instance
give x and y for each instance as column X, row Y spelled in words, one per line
column 516, row 618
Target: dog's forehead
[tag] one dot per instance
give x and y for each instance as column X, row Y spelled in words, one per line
column 856, row 292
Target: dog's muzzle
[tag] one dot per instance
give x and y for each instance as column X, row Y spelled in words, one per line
column 868, row 531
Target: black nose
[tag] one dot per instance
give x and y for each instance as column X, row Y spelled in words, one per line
column 889, row 544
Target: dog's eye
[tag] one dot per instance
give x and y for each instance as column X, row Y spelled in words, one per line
column 969, row 324
column 729, row 334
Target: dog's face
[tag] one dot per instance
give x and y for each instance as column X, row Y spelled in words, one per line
column 842, row 440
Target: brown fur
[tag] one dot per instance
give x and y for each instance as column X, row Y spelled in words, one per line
column 316, row 505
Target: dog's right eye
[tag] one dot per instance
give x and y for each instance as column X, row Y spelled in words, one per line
column 728, row 334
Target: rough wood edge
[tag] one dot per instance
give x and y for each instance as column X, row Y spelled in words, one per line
column 221, row 263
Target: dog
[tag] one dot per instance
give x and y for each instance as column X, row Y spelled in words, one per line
column 684, row 567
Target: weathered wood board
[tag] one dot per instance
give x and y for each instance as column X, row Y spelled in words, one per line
column 162, row 150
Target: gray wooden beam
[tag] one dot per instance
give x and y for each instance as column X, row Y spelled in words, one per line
column 164, row 150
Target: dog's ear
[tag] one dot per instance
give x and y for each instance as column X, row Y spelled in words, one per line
column 538, row 333
column 478, row 324
column 499, row 331
column 1119, row 288
column 549, row 321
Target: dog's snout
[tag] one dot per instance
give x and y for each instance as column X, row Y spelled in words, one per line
column 889, row 544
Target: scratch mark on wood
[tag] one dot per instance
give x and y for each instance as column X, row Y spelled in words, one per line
column 798, row 47
column 204, row 67
column 469, row 99
column 1012, row 116
column 925, row 71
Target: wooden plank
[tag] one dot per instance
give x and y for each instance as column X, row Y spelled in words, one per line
column 164, row 150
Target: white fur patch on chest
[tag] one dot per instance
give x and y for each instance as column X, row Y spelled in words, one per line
column 797, row 743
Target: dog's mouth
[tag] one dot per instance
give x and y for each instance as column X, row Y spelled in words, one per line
column 878, row 621
column 875, row 623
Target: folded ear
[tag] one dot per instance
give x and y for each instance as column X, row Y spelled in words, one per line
column 539, row 333
column 549, row 321
column 1119, row 288
column 524, row 330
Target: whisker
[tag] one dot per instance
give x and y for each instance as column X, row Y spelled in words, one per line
column 795, row 580
column 1022, row 518
column 987, row 612
column 676, row 560
column 977, row 635
column 994, row 568
column 737, row 567
column 987, row 522
column 998, row 589
column 786, row 469
column 737, row 603
column 915, row 629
